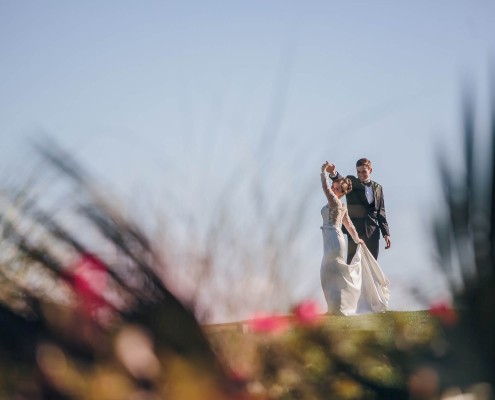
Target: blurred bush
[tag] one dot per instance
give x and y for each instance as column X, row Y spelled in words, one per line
column 85, row 314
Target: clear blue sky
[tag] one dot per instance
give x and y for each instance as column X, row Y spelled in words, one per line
column 171, row 101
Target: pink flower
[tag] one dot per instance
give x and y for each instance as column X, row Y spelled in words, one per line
column 266, row 323
column 445, row 313
column 307, row 312
column 90, row 281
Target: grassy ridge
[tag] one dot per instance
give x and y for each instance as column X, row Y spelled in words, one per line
column 418, row 321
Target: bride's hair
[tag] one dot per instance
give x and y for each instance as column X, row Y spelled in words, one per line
column 345, row 185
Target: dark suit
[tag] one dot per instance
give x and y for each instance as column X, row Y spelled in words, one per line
column 369, row 219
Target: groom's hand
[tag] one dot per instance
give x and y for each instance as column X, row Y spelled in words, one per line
column 388, row 242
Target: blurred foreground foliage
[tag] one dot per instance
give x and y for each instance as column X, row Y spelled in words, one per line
column 330, row 357
column 86, row 312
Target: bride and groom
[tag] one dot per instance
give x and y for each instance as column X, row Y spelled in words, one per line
column 358, row 285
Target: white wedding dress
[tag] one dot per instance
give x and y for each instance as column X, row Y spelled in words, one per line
column 349, row 289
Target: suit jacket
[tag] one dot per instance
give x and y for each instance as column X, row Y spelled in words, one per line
column 366, row 217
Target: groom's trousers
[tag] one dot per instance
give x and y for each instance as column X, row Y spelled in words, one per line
column 372, row 243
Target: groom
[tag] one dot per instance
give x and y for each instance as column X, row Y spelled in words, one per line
column 366, row 207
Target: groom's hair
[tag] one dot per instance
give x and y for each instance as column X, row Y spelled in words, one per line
column 363, row 162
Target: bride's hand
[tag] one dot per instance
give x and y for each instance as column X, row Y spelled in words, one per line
column 327, row 167
column 361, row 241
column 330, row 168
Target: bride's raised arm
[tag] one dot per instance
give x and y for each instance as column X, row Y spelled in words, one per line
column 346, row 220
column 327, row 187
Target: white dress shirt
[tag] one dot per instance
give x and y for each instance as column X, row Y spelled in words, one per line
column 368, row 191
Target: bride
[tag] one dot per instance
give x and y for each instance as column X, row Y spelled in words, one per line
column 352, row 288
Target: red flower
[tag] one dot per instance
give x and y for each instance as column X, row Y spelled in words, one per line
column 266, row 323
column 307, row 312
column 90, row 281
column 445, row 313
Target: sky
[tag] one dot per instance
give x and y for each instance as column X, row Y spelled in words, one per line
column 185, row 107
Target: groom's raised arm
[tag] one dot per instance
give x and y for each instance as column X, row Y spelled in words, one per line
column 335, row 176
